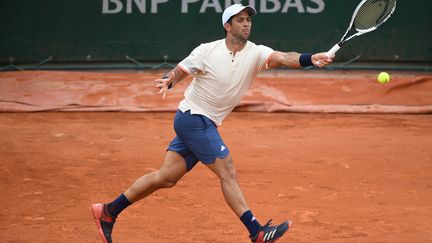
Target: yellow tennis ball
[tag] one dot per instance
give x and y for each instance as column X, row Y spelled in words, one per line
column 383, row 77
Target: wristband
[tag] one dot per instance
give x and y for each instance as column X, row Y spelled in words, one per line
column 306, row 60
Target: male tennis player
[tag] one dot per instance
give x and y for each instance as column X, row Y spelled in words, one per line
column 223, row 70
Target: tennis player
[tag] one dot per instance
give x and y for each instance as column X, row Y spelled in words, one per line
column 223, row 70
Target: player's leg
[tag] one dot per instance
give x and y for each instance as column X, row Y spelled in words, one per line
column 201, row 138
column 172, row 170
column 225, row 170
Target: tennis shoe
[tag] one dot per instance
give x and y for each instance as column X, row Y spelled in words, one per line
column 269, row 233
column 104, row 221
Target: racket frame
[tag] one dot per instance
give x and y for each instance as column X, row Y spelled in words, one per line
column 336, row 47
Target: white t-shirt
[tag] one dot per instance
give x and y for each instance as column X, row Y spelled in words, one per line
column 220, row 78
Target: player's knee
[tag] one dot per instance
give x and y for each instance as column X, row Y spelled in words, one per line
column 232, row 174
column 166, row 182
column 229, row 173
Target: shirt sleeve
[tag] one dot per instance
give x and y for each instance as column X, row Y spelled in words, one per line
column 264, row 56
column 195, row 61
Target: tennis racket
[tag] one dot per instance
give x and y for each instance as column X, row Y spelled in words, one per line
column 367, row 17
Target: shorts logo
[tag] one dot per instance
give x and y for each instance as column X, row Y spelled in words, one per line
column 223, row 148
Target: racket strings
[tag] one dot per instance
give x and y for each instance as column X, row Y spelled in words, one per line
column 373, row 13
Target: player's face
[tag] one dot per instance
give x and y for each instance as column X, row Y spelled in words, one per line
column 241, row 26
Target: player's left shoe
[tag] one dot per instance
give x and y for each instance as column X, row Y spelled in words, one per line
column 104, row 222
column 269, row 233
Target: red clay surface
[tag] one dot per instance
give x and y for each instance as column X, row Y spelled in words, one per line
column 339, row 177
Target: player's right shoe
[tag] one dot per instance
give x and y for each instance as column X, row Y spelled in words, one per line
column 269, row 233
column 104, row 222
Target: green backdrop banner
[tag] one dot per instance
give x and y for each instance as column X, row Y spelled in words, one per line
column 147, row 30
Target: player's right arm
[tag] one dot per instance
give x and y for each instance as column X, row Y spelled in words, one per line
column 168, row 81
column 292, row 59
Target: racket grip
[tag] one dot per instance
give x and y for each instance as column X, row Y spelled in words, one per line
column 333, row 50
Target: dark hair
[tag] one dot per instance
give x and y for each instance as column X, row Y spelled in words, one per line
column 229, row 22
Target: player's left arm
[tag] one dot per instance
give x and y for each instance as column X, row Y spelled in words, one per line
column 168, row 81
column 297, row 60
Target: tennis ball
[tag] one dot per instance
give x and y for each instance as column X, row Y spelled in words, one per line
column 383, row 77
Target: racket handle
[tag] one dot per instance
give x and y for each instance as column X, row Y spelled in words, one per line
column 333, row 50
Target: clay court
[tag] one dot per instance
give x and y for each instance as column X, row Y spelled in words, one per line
column 347, row 159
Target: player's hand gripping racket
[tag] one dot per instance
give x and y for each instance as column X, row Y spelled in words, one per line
column 367, row 17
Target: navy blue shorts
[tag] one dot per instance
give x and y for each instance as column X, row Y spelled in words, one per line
column 197, row 139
